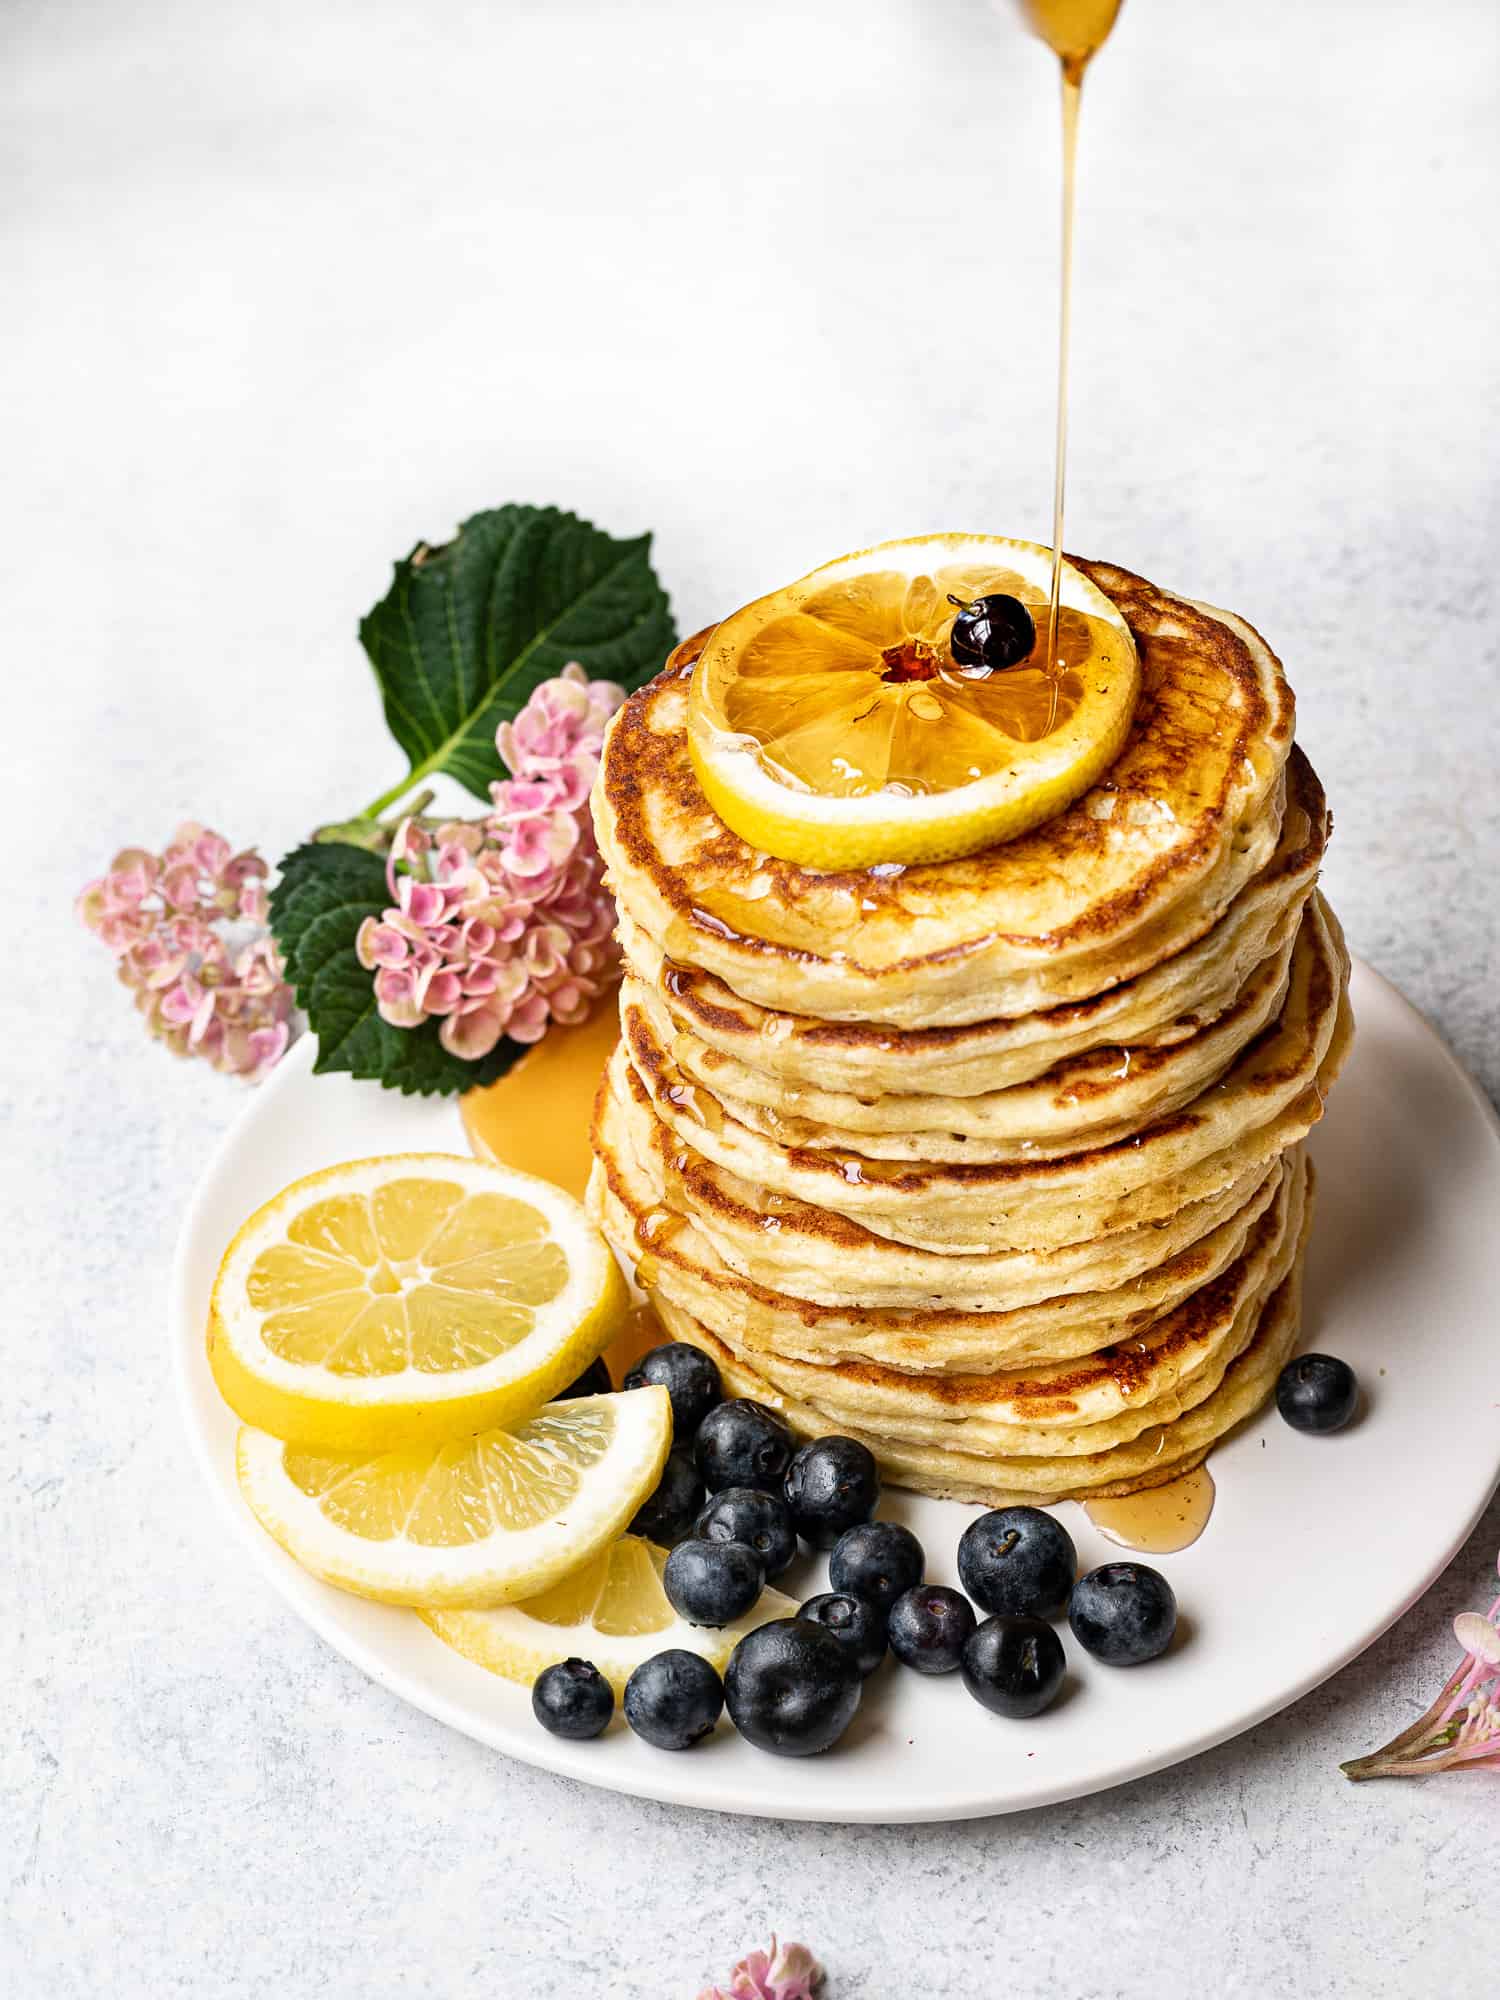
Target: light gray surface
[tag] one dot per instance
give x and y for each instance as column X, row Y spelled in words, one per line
column 289, row 287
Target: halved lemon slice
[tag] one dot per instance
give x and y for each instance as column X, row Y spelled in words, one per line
column 486, row 1519
column 830, row 723
column 417, row 1296
column 613, row 1612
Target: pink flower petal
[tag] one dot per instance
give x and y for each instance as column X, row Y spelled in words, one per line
column 267, row 1047
column 1478, row 1636
column 179, row 886
column 473, row 1033
column 179, row 1003
column 203, row 1015
column 439, row 992
column 395, row 998
column 211, row 851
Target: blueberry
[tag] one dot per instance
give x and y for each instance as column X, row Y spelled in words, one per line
column 929, row 1627
column 1014, row 1666
column 759, row 1520
column 831, row 1484
column 857, row 1624
column 673, row 1698
column 668, row 1515
column 792, row 1687
column 1317, row 1393
column 689, row 1377
column 594, row 1381
column 742, row 1443
column 572, row 1699
column 1123, row 1613
column 713, row 1583
column 1017, row 1561
column 877, row 1560
column 991, row 633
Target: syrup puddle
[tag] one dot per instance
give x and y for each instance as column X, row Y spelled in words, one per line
column 537, row 1117
column 1161, row 1520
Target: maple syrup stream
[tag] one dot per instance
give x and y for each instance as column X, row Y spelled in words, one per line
column 1075, row 31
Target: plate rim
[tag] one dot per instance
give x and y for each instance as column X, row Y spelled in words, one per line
column 573, row 1760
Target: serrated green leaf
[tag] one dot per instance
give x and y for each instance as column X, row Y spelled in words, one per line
column 467, row 631
column 325, row 892
column 304, row 888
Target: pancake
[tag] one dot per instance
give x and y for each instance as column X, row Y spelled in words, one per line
column 1270, row 1099
column 1063, row 1409
column 681, row 1265
column 1172, row 1001
column 1158, row 1455
column 1091, row 1100
column 1133, row 872
column 814, row 1256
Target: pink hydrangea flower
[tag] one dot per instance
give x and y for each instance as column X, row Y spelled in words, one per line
column 785, row 1972
column 187, row 930
column 1462, row 1727
column 502, row 925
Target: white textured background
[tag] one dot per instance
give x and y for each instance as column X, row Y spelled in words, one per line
column 287, row 287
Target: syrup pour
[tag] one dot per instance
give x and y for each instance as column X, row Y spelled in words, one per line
column 1160, row 1520
column 1075, row 31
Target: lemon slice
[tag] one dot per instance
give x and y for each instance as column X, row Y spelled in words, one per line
column 486, row 1519
column 613, row 1612
column 417, row 1296
column 830, row 724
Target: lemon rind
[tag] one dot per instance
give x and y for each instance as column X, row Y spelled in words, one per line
column 307, row 1405
column 428, row 1577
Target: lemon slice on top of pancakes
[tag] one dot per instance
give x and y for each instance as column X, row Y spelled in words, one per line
column 842, row 722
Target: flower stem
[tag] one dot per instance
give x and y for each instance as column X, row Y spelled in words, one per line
column 369, row 832
column 393, row 792
column 1399, row 1758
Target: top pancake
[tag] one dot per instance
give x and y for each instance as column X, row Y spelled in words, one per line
column 1170, row 1003
column 1139, row 868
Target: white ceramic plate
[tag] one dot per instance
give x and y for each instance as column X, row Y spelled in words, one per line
column 1316, row 1544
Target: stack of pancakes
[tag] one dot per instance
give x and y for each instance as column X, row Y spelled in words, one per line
column 995, row 1163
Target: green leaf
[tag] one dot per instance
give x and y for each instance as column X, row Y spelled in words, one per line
column 468, row 630
column 325, row 892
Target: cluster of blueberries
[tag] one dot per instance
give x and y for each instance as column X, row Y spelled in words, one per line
column 736, row 1495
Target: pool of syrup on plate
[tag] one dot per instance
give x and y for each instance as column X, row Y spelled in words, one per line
column 537, row 1118
column 1161, row 1520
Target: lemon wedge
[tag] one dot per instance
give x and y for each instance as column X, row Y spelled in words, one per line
column 419, row 1296
column 830, row 723
column 613, row 1612
column 486, row 1519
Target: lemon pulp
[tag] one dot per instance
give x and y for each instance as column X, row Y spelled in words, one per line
column 415, row 1275
column 444, row 1496
column 413, row 1297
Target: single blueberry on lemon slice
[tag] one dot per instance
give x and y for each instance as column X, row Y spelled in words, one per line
column 490, row 1518
column 831, row 723
column 417, row 1296
column 613, row 1612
